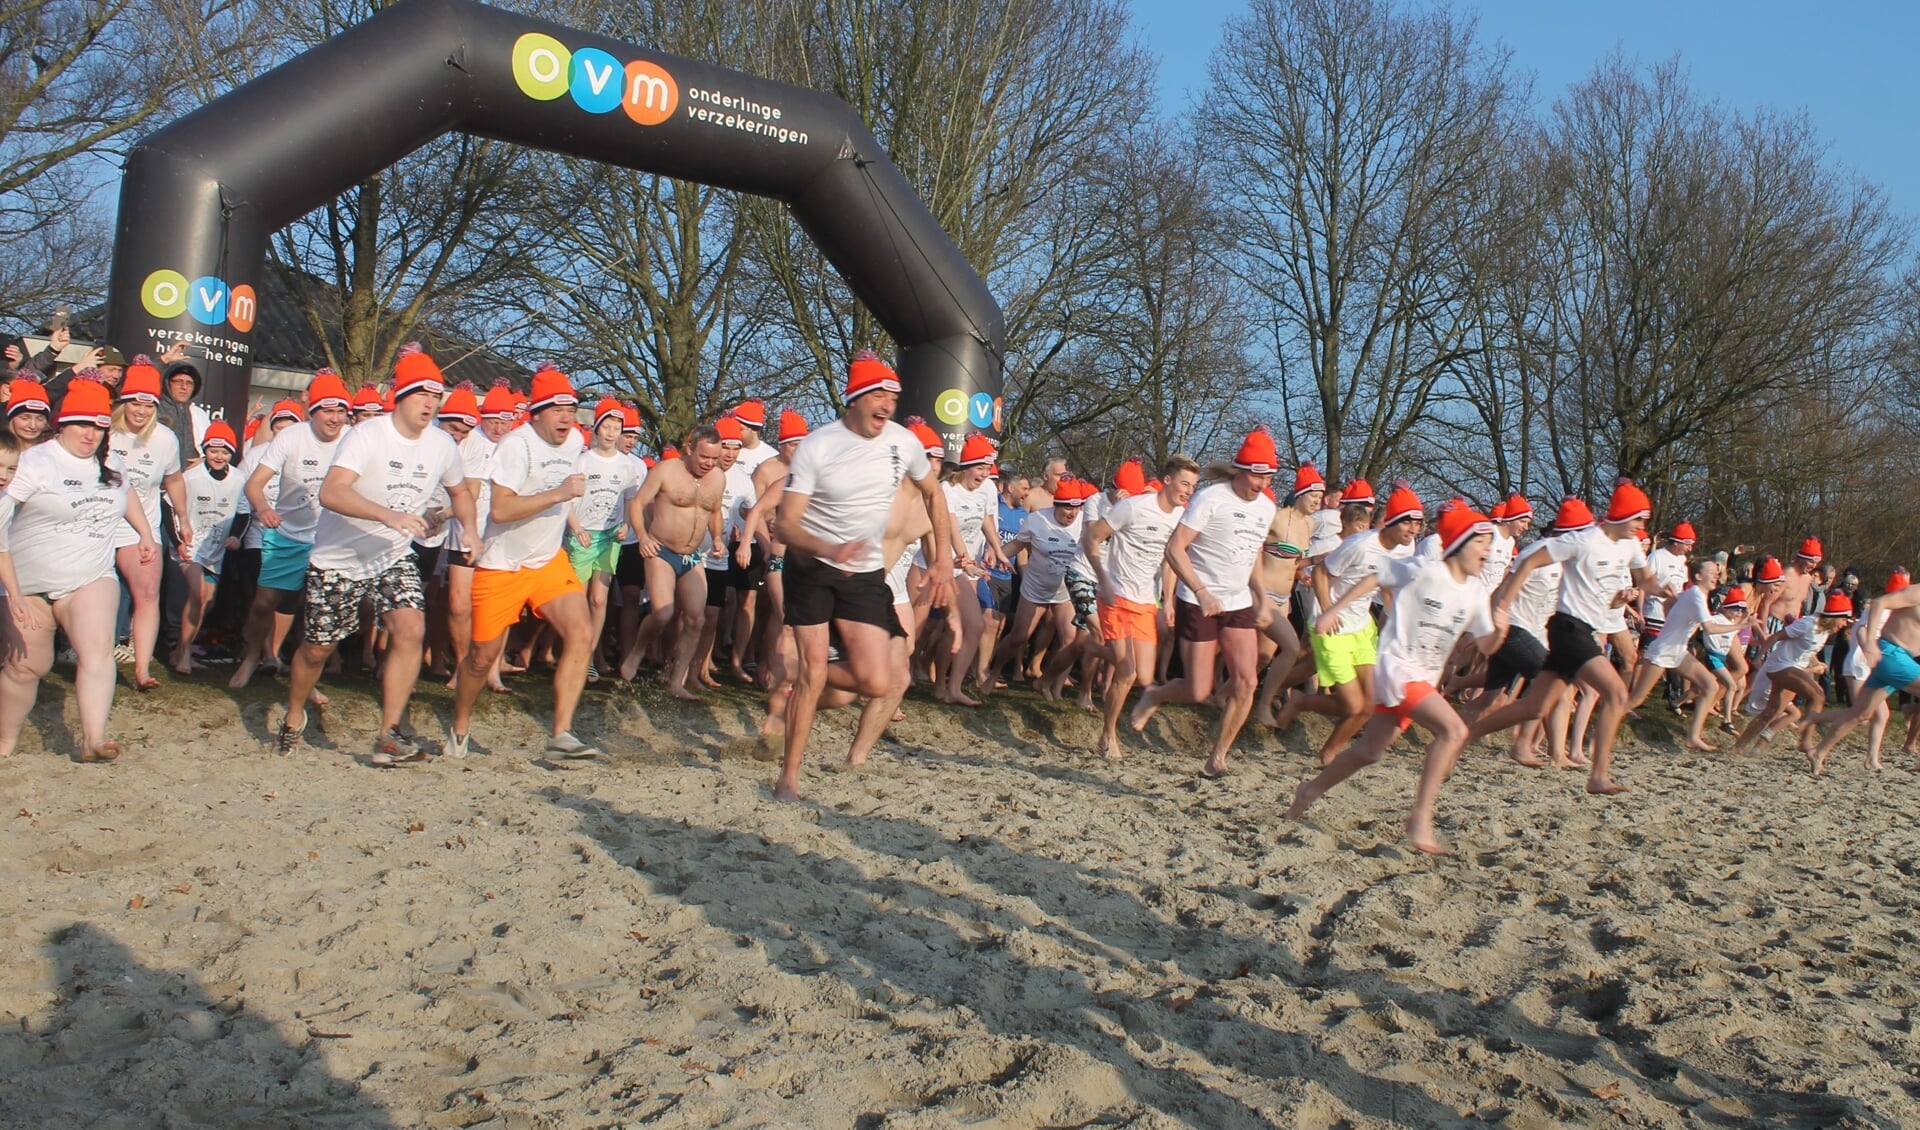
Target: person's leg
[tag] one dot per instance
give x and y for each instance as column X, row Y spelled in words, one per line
column 1368, row 747
column 810, row 678
column 1354, row 698
column 406, row 630
column 1131, row 656
column 713, row 613
column 691, row 592
column 28, row 658
column 1610, row 697
column 1644, row 677
column 1541, row 694
column 1240, row 647
column 259, row 632
column 143, row 584
column 1060, row 661
column 599, row 586
column 1024, row 621
column 1194, row 686
column 1287, row 652
column 572, row 621
column 662, row 593
column 1449, row 736
column 87, row 615
column 877, row 712
column 1706, row 696
column 743, row 642
column 199, row 587
column 966, row 608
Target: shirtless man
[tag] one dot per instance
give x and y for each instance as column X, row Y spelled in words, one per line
column 833, row 517
column 675, row 509
column 1286, row 547
column 1040, row 495
column 1891, row 640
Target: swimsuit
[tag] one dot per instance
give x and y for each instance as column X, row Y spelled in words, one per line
column 683, row 563
column 1284, row 551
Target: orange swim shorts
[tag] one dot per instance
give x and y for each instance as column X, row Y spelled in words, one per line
column 1126, row 619
column 1403, row 710
column 500, row 594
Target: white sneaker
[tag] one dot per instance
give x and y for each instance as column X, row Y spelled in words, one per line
column 457, row 743
column 121, row 654
column 568, row 747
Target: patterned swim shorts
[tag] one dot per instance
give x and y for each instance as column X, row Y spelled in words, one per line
column 333, row 599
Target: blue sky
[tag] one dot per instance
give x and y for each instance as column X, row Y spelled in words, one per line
column 1848, row 65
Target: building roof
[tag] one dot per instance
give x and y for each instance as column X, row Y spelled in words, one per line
column 283, row 338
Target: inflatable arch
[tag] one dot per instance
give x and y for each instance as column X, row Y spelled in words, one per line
column 200, row 197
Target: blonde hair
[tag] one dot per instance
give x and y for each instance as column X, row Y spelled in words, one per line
column 120, row 422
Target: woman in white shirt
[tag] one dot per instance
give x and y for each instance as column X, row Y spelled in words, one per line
column 149, row 456
column 58, row 522
column 976, row 545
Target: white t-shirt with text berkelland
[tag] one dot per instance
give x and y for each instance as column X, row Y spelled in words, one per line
column 752, row 457
column 610, row 480
column 1595, row 568
column 1499, row 560
column 1430, row 612
column 395, row 472
column 1354, row 560
column 1539, row 594
column 1138, row 547
column 969, row 509
column 1669, row 569
column 300, row 462
column 1228, row 532
column 850, row 481
column 148, row 462
column 59, row 521
column 1056, row 552
column 211, row 505
column 528, row 465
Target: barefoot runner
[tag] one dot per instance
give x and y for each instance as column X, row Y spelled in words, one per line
column 676, row 509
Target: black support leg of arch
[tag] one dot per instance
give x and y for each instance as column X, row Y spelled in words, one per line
column 200, row 197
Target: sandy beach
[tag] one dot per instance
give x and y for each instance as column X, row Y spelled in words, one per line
column 989, row 928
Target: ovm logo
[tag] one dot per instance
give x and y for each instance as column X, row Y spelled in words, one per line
column 545, row 69
column 210, row 301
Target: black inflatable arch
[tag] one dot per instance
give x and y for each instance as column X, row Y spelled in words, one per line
column 200, row 197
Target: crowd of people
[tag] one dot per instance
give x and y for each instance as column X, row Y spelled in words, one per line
column 475, row 537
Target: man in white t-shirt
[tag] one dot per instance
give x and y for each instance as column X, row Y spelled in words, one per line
column 1220, row 604
column 1128, row 552
column 730, row 587
column 522, row 563
column 752, row 415
column 376, row 497
column 1343, row 659
column 1600, row 567
column 1436, row 603
column 498, row 414
column 833, row 519
column 294, row 463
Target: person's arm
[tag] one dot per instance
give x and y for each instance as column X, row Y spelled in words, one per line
column 337, row 494
column 1091, row 539
column 756, row 527
column 1328, row 622
column 46, row 359
column 939, row 581
column 793, row 508
column 137, row 518
column 256, row 492
column 996, row 558
column 1516, row 576
column 463, row 497
column 26, row 613
column 175, row 488
column 511, row 507
column 1183, row 569
column 717, row 521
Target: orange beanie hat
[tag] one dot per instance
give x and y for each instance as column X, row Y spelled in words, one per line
column 327, row 390
column 1628, row 502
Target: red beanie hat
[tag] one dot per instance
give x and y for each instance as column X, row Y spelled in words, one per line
column 1499, row 511
column 1837, row 604
column 498, row 403
column 367, row 398
column 1573, row 516
column 793, row 426
column 670, row 452
column 1359, row 492
column 26, row 395
column 752, row 414
column 327, row 390
column 977, row 450
column 1457, row 525
column 1768, row 571
column 140, row 382
column 1898, row 580
column 1308, row 478
column 1257, row 453
column 929, row 439
column 1072, row 492
column 1683, row 533
column 287, row 410
column 1810, row 549
column 608, row 406
column 1155, row 486
column 629, row 420
column 551, row 387
column 1130, row 479
column 86, row 402
column 414, row 371
column 1736, row 598
column 1518, row 507
column 1628, row 502
column 729, row 429
column 1402, row 503
column 869, row 374
column 220, row 432
column 460, row 405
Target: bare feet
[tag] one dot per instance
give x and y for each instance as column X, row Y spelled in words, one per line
column 1421, row 835
column 1564, row 762
column 243, row 673
column 1702, row 745
column 1527, row 758
column 1216, row 767
column 1142, row 712
column 1289, row 712
column 785, row 792
column 774, row 726
column 1110, row 747
column 675, row 690
column 1604, row 786
column 1303, row 798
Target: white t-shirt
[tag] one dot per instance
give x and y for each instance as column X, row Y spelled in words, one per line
column 395, row 472
column 736, row 488
column 248, row 463
column 211, row 505
column 1802, row 641
column 300, row 462
column 528, row 465
column 1670, row 570
column 476, row 464
column 1138, row 548
column 1229, row 531
column 1430, row 612
column 59, row 521
column 1687, row 614
column 752, row 457
column 1499, row 560
column 639, row 471
column 610, row 481
column 1055, row 553
column 969, row 509
column 1356, row 559
column 148, row 462
column 1427, row 549
column 1539, row 594
column 1326, row 533
column 850, row 481
column 1596, row 569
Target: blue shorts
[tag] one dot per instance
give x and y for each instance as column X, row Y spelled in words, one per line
column 683, row 563
column 1896, row 670
column 283, row 562
column 1717, row 660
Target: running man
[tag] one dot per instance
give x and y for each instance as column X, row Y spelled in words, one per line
column 1890, row 638
column 1128, row 552
column 522, row 565
column 374, row 501
column 1220, row 602
column 1435, row 604
column 676, row 509
column 833, row 518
